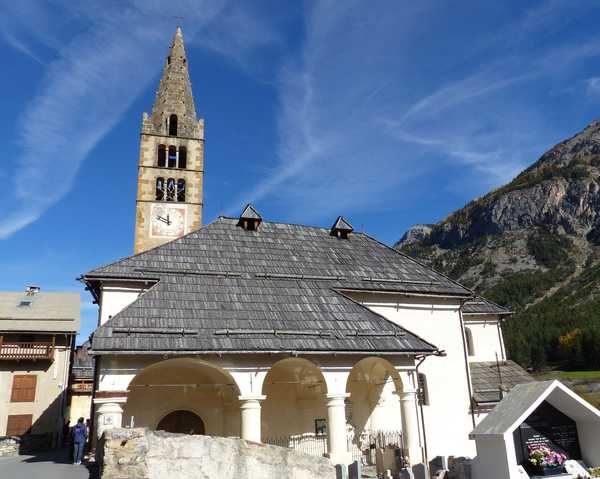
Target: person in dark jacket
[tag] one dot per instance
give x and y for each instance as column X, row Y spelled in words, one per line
column 79, row 438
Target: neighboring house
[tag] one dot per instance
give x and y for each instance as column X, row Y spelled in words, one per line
column 492, row 373
column 37, row 336
column 81, row 384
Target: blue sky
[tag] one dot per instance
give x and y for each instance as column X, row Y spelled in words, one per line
column 388, row 112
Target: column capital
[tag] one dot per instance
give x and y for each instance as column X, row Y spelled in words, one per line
column 251, row 401
column 336, row 399
column 406, row 393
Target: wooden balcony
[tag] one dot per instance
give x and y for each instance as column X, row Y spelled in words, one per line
column 26, row 350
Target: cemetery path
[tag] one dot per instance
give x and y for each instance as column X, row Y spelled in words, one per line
column 48, row 465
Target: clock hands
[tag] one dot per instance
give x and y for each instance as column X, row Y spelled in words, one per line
column 166, row 220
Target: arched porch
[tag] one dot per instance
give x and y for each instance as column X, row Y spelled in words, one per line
column 184, row 386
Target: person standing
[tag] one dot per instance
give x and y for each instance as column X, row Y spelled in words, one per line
column 79, row 438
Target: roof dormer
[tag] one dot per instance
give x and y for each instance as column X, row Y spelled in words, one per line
column 341, row 228
column 249, row 219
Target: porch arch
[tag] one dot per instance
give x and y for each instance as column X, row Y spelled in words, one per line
column 374, row 404
column 295, row 392
column 184, row 384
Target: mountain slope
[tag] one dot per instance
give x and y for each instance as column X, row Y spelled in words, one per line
column 532, row 245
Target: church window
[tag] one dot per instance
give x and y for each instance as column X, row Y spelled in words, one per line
column 160, row 189
column 173, row 125
column 172, row 157
column 470, row 344
column 162, row 156
column 423, row 392
column 182, row 157
column 181, row 190
column 169, row 59
column 170, row 189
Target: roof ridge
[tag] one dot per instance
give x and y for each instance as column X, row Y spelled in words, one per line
column 404, row 255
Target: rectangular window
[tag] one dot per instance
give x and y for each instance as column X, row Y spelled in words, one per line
column 23, row 389
column 18, row 424
column 423, row 393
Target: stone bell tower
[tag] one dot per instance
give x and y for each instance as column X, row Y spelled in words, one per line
column 171, row 165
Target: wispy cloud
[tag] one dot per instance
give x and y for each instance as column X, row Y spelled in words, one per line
column 375, row 101
column 93, row 81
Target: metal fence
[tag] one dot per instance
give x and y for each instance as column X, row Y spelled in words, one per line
column 312, row 444
column 360, row 446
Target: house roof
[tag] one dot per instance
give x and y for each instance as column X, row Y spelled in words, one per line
column 279, row 288
column 82, row 366
column 524, row 399
column 489, row 384
column 39, row 312
column 480, row 305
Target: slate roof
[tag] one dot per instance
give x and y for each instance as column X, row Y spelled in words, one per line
column 480, row 305
column 486, row 380
column 83, row 366
column 280, row 288
column 42, row 311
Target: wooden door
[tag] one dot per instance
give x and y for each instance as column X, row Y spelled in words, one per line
column 185, row 422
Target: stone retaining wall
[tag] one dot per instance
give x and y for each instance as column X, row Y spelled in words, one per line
column 143, row 454
column 9, row 446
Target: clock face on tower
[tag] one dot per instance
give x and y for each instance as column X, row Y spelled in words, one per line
column 167, row 221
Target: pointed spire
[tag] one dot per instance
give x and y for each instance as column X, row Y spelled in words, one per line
column 249, row 219
column 341, row 228
column 174, row 112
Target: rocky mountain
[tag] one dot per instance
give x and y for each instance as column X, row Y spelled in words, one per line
column 532, row 245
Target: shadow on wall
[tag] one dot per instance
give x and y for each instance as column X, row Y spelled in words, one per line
column 36, row 431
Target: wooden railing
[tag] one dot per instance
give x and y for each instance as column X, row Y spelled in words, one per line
column 19, row 350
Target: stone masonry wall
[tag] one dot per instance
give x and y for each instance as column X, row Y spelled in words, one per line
column 144, row 454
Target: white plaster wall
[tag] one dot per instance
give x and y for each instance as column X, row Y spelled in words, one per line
column 491, row 461
column 589, row 439
column 116, row 297
column 80, row 407
column 447, row 418
column 486, row 338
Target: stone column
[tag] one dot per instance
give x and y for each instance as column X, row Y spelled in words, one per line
column 336, row 429
column 250, row 409
column 108, row 416
column 410, row 424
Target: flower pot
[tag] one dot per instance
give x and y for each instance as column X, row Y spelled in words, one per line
column 549, row 470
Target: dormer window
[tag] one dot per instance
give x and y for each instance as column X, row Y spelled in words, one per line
column 341, row 228
column 173, row 125
column 249, row 219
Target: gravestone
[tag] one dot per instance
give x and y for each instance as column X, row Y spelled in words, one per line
column 354, row 470
column 420, row 471
column 341, row 471
column 549, row 427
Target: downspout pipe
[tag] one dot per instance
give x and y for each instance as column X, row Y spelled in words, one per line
column 421, row 359
column 467, row 369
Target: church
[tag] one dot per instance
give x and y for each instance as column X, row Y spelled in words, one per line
column 319, row 338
